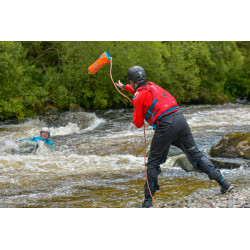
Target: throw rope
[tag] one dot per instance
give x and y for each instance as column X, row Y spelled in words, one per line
column 114, row 82
column 145, row 140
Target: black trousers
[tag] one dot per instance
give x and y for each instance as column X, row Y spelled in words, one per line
column 174, row 130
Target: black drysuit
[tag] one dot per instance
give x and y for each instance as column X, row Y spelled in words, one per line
column 173, row 129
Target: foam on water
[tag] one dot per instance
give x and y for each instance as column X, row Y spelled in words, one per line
column 27, row 129
column 32, row 127
column 71, row 128
column 58, row 162
column 72, row 166
column 96, row 122
column 219, row 116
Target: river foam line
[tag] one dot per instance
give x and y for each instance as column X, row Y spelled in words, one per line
column 218, row 116
column 59, row 163
column 32, row 127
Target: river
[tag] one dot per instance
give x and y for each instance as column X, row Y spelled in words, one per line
column 98, row 159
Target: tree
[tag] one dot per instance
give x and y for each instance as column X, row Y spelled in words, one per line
column 238, row 81
column 20, row 93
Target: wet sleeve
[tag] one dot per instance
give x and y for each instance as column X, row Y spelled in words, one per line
column 138, row 120
column 138, row 115
column 141, row 105
column 28, row 139
column 129, row 89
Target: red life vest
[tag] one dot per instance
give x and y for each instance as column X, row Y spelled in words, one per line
column 163, row 103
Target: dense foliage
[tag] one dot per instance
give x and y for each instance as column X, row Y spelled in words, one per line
column 35, row 76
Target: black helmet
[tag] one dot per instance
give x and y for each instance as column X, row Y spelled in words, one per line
column 136, row 74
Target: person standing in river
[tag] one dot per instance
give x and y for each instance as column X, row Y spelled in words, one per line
column 160, row 109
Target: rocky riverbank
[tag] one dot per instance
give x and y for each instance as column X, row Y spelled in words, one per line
column 238, row 198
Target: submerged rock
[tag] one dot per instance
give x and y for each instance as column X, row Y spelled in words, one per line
column 183, row 162
column 229, row 163
column 57, row 119
column 235, row 145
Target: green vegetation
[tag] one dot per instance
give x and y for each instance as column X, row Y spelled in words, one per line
column 35, row 76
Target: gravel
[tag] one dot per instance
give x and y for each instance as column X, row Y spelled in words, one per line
column 237, row 198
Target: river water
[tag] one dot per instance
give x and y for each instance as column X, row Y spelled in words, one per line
column 98, row 159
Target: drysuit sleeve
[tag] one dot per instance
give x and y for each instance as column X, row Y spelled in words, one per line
column 129, row 88
column 138, row 120
column 141, row 101
column 28, row 139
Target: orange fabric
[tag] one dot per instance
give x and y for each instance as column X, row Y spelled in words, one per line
column 141, row 101
column 98, row 64
column 129, row 89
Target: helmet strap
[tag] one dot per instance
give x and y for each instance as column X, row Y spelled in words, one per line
column 133, row 84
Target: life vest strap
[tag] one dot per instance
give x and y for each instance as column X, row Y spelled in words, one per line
column 165, row 113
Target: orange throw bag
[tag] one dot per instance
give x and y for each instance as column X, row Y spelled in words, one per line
column 103, row 59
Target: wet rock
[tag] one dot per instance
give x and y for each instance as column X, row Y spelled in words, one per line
column 229, row 163
column 242, row 100
column 49, row 109
column 75, row 108
column 183, row 162
column 220, row 99
column 224, row 163
column 235, row 145
column 57, row 119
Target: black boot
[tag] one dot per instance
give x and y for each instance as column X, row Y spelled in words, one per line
column 226, row 187
column 147, row 204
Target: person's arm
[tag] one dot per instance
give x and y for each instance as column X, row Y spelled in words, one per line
column 138, row 115
column 141, row 103
column 138, row 119
column 126, row 87
column 129, row 88
column 28, row 139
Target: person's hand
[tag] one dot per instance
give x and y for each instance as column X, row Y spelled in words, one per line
column 119, row 84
